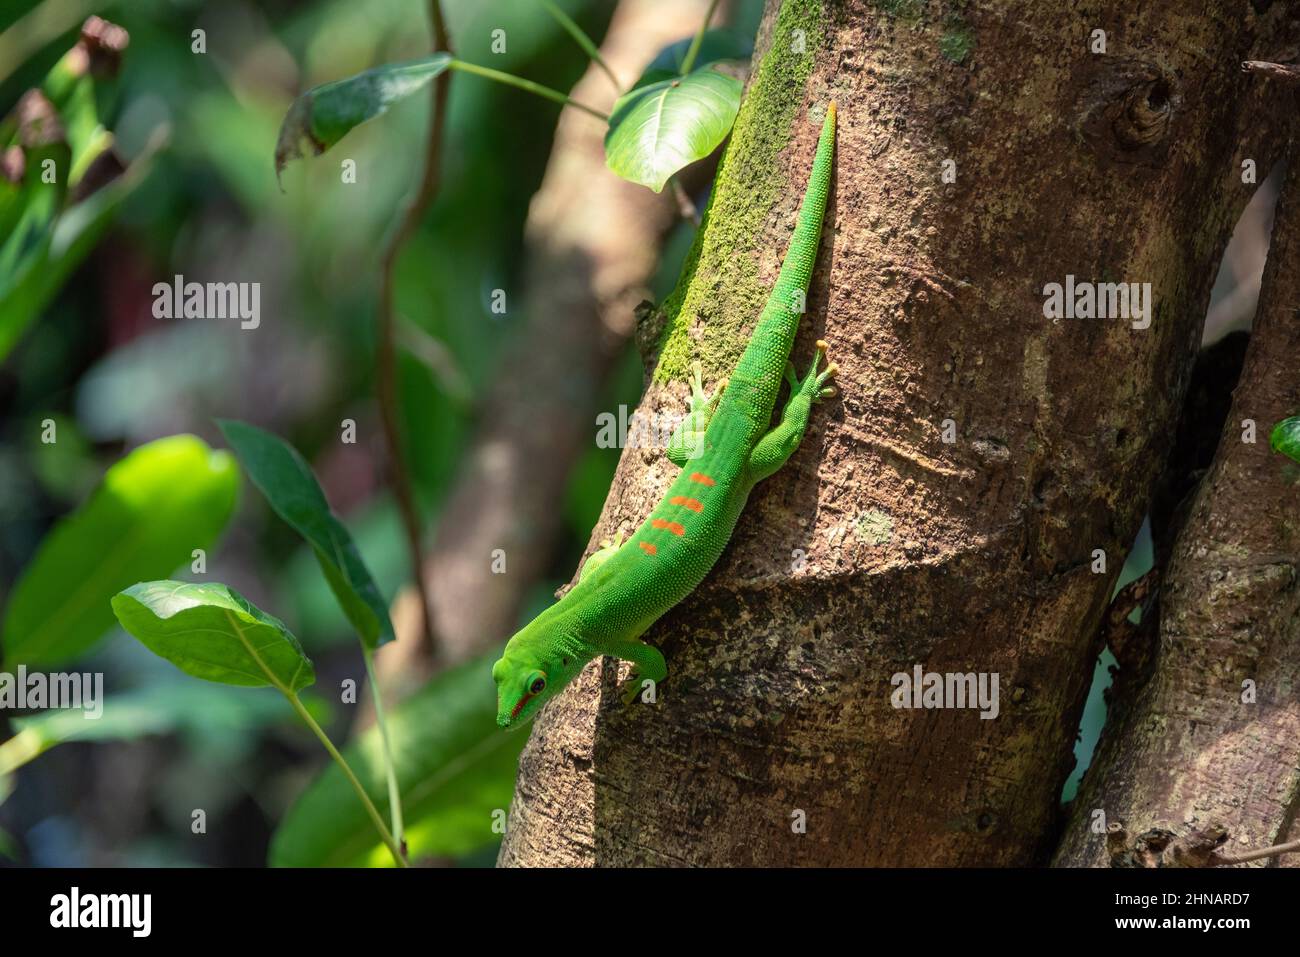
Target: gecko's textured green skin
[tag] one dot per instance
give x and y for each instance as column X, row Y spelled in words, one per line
column 725, row 447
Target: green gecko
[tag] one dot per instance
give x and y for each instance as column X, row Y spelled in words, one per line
column 724, row 447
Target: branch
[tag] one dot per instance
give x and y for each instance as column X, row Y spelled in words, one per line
column 1220, row 860
column 386, row 358
column 1286, row 71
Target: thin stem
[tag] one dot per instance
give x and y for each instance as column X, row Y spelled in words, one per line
column 685, row 205
column 536, row 88
column 437, row 357
column 20, row 749
column 689, row 62
column 386, row 348
column 1221, row 859
column 352, row 778
column 390, row 770
column 581, row 38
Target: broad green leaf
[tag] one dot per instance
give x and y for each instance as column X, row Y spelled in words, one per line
column 210, row 631
column 151, row 511
column 454, row 768
column 664, row 126
column 304, row 595
column 718, row 44
column 325, row 114
column 285, row 478
column 1286, row 437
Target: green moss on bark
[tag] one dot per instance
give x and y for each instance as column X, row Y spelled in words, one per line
column 720, row 292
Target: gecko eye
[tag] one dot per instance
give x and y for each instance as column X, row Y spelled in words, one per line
column 537, row 685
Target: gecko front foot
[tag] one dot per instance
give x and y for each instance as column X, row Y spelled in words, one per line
column 597, row 558
column 633, row 690
column 700, row 400
column 647, row 665
column 688, row 439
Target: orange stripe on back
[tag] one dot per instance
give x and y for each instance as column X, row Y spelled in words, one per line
column 648, row 548
column 702, row 478
column 673, row 527
column 693, row 504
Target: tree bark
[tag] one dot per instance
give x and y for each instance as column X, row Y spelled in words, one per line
column 1206, row 754
column 881, row 546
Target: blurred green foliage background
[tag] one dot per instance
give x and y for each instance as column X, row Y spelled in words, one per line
column 113, row 377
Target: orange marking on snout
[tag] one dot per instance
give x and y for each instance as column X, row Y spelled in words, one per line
column 693, row 504
column 514, row 713
column 702, row 478
column 673, row 527
column 648, row 548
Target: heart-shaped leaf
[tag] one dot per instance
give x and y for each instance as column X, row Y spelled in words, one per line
column 326, row 113
column 285, row 478
column 210, row 631
column 152, row 510
column 670, row 122
column 453, row 766
column 1286, row 437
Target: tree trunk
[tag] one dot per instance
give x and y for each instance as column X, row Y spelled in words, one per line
column 881, row 546
column 1208, row 751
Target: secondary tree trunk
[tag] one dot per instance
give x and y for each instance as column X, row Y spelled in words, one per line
column 881, row 546
column 1208, row 751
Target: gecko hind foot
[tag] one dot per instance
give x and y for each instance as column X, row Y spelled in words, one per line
column 814, row 383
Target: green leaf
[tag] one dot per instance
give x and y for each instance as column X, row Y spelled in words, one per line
column 454, row 767
column 285, row 478
column 657, row 129
column 152, row 510
column 325, row 114
column 210, row 631
column 28, row 288
column 1286, row 437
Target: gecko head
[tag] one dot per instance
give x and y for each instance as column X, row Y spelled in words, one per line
column 526, row 680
